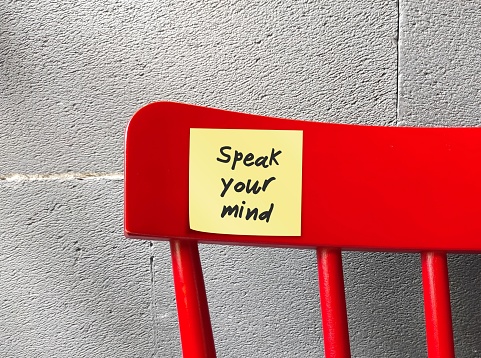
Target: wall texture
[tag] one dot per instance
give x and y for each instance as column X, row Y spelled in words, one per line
column 73, row 73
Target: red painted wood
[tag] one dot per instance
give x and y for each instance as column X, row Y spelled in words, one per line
column 439, row 334
column 193, row 311
column 369, row 188
column 333, row 304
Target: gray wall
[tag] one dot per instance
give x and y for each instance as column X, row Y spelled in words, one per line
column 71, row 75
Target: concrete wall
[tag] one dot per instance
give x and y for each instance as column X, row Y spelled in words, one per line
column 73, row 73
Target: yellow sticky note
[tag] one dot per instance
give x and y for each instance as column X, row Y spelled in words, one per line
column 245, row 182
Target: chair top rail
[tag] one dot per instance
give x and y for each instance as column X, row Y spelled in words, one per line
column 363, row 187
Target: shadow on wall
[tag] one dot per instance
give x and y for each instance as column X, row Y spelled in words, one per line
column 465, row 284
column 385, row 304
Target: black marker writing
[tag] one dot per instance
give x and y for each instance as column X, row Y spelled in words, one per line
column 237, row 212
column 249, row 186
column 248, row 160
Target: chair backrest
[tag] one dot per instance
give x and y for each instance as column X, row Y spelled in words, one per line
column 196, row 174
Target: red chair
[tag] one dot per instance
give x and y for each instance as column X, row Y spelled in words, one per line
column 363, row 188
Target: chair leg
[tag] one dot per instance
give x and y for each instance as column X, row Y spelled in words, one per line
column 437, row 307
column 192, row 308
column 333, row 303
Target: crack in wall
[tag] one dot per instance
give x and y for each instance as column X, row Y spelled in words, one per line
column 62, row 176
column 153, row 308
column 398, row 51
